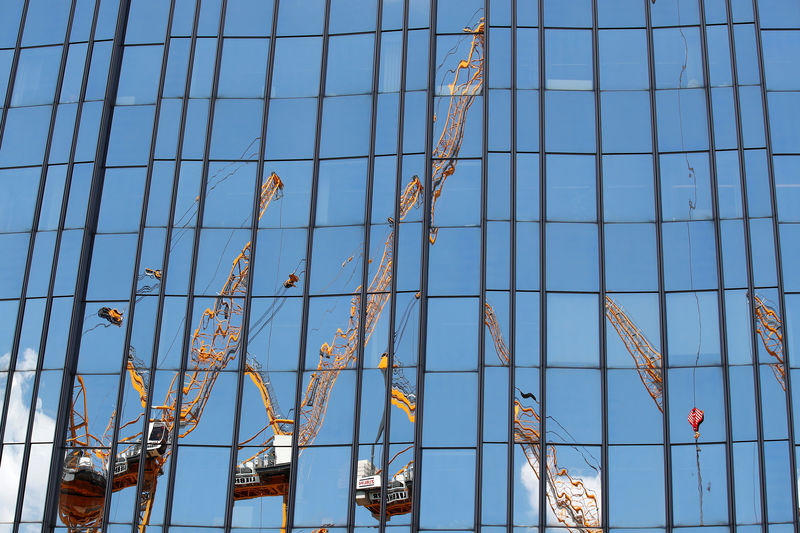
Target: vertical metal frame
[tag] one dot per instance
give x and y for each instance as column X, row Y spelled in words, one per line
column 387, row 403
column 190, row 298
column 12, row 74
column 662, row 298
column 312, row 217
column 166, row 253
column 424, row 263
column 12, row 363
column 713, row 184
column 601, row 270
column 481, row 368
column 778, row 258
column 82, row 278
column 542, row 275
column 26, row 275
column 254, row 226
column 512, row 287
column 364, row 294
column 133, row 299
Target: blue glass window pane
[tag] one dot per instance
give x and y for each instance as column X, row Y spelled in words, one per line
column 685, row 187
column 677, row 13
column 244, row 68
column 625, row 120
column 147, row 22
column 692, row 326
column 779, row 13
column 248, row 18
column 140, row 74
column 237, row 129
column 45, row 23
column 291, row 127
column 14, row 247
column 348, row 16
column 752, row 112
column 621, row 13
column 25, row 136
column 36, row 77
column 734, row 256
column 572, row 262
column 567, row 313
column 787, row 187
column 759, row 199
column 678, row 58
column 9, row 23
column 297, row 66
column 623, row 59
column 345, row 126
column 177, row 67
column 571, row 184
column 205, row 56
column 527, row 58
column 719, row 56
column 301, row 18
column 681, row 119
column 341, row 191
column 18, row 200
column 729, row 187
column 723, row 111
column 690, row 262
column 628, row 188
column 129, row 140
column 452, row 334
column 746, row 54
column 576, row 13
column 73, row 73
column 781, row 66
column 784, row 120
column 568, row 61
column 790, row 255
column 569, row 121
column 630, row 255
column 349, row 64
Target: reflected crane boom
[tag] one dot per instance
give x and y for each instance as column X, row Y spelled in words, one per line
column 770, row 330
column 646, row 358
column 215, row 342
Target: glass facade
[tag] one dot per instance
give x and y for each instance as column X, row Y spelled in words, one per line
column 333, row 266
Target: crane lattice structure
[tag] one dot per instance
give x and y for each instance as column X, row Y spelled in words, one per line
column 646, row 358
column 770, row 330
column 466, row 85
column 573, row 504
column 215, row 343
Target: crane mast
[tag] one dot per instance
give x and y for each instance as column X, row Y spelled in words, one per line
column 466, row 85
column 646, row 358
column 770, row 330
column 341, row 353
column 215, row 342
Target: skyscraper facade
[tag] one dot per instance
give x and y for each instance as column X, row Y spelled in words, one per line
column 333, row 266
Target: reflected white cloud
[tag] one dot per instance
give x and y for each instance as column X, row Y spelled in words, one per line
column 16, row 429
column 530, row 482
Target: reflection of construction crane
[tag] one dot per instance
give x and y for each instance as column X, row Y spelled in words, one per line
column 466, row 85
column 267, row 472
column 770, row 329
column 645, row 356
column 215, row 343
column 573, row 504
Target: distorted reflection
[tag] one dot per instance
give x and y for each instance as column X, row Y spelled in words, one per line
column 214, row 344
column 769, row 328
